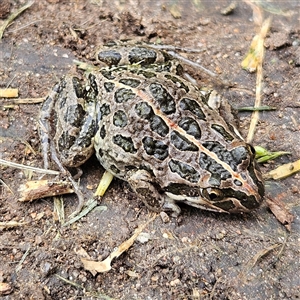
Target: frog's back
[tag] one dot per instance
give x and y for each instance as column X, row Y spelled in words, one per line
column 155, row 130
column 162, row 123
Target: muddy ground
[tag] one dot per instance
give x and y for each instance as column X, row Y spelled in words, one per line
column 201, row 255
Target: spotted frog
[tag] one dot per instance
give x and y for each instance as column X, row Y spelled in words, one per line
column 154, row 129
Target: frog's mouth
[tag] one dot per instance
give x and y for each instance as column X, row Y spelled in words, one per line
column 225, row 200
column 198, row 202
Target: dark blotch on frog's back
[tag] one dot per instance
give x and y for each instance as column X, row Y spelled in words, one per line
column 109, row 86
column 156, row 148
column 74, row 115
column 183, row 189
column 221, row 130
column 232, row 157
column 178, row 82
column 165, row 101
column 120, row 118
column 124, row 95
column 217, row 171
column 102, row 132
column 125, row 143
column 78, row 88
column 192, row 106
column 87, row 133
column 190, row 126
column 184, row 170
column 182, row 143
column 114, row 169
column 157, row 124
column 65, row 141
column 134, row 83
column 142, row 55
column 104, row 110
column 110, row 57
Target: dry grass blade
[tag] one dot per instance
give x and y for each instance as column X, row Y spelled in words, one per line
column 104, row 184
column 28, row 146
column 19, row 265
column 28, row 168
column 11, row 224
column 13, row 16
column 261, row 254
column 69, row 281
column 254, row 260
column 88, row 206
column 59, row 210
column 23, row 101
column 4, row 184
column 191, row 63
column 259, row 55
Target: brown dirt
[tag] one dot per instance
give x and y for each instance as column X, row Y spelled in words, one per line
column 202, row 255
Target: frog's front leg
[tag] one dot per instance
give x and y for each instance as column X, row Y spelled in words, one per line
column 141, row 182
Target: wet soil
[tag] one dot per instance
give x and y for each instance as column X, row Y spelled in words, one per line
column 201, row 255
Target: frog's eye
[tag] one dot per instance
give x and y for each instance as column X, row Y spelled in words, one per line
column 213, row 194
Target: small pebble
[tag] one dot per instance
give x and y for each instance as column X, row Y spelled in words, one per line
column 143, row 237
column 175, row 282
column 229, row 9
column 165, row 218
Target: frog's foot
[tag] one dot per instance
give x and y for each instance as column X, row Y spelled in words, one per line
column 79, row 195
column 142, row 183
column 171, row 206
column 78, row 174
column 65, row 171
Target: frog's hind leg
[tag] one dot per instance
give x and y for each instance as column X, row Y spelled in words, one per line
column 45, row 123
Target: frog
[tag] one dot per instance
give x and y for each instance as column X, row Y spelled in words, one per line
column 151, row 127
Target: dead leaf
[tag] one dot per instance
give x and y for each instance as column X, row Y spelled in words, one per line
column 175, row 11
column 5, row 288
column 103, row 266
column 280, row 211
